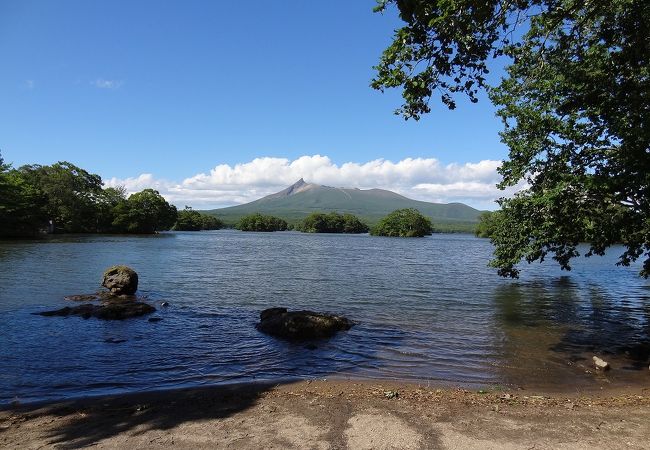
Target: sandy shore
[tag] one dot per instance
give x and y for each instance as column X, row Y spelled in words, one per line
column 336, row 415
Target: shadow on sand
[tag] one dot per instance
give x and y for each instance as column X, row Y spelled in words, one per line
column 88, row 421
column 91, row 420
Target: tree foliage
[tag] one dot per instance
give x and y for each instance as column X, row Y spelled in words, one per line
column 331, row 223
column 190, row 220
column 144, row 212
column 575, row 106
column 106, row 204
column 72, row 195
column 22, row 206
column 487, row 224
column 260, row 222
column 407, row 222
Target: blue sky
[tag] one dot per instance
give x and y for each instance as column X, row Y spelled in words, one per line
column 172, row 90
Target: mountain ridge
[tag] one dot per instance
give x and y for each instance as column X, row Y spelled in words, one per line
column 302, row 198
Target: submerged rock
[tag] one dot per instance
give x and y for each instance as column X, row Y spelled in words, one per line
column 299, row 325
column 600, row 363
column 82, row 297
column 120, row 280
column 105, row 311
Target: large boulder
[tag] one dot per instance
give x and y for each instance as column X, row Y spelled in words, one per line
column 121, row 280
column 301, row 325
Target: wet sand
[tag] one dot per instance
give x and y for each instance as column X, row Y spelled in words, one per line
column 337, row 415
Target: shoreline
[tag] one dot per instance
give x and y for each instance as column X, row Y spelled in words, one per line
column 592, row 390
column 360, row 387
column 334, row 414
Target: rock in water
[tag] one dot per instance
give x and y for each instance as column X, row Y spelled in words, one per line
column 299, row 325
column 600, row 363
column 121, row 280
column 118, row 304
column 106, row 311
column 271, row 312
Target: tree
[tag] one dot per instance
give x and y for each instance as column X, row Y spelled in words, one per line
column 575, row 106
column 352, row 224
column 22, row 206
column 144, row 212
column 407, row 222
column 106, row 205
column 209, row 222
column 72, row 195
column 487, row 224
column 260, row 222
column 190, row 220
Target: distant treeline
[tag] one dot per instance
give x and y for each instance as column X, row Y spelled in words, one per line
column 400, row 223
column 63, row 198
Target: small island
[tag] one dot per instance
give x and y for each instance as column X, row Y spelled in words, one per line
column 332, row 223
column 190, row 220
column 261, row 222
column 407, row 222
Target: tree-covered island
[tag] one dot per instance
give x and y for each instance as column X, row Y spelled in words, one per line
column 261, row 222
column 403, row 223
column 332, row 223
column 190, row 220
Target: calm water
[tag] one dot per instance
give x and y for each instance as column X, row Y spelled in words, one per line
column 427, row 309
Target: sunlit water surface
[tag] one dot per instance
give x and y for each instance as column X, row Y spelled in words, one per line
column 428, row 310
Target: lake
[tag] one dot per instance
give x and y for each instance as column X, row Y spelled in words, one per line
column 428, row 310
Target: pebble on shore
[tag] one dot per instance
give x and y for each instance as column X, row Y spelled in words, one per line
column 601, row 364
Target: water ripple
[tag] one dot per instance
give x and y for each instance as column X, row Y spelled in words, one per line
column 427, row 309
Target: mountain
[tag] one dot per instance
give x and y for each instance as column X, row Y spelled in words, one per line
column 301, row 199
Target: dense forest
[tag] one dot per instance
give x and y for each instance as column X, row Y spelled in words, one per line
column 63, row 198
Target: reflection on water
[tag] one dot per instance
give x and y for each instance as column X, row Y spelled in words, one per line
column 553, row 326
column 427, row 309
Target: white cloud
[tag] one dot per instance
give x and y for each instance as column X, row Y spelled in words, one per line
column 419, row 178
column 101, row 83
